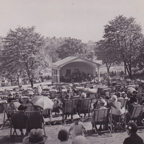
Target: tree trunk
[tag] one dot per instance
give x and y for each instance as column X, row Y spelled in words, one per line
column 18, row 80
column 108, row 67
column 31, row 81
column 128, row 68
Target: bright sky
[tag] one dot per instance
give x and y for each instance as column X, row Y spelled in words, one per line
column 82, row 19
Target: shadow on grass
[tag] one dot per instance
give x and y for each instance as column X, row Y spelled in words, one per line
column 4, row 139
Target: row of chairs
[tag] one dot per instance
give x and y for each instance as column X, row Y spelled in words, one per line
column 105, row 117
column 25, row 120
column 72, row 106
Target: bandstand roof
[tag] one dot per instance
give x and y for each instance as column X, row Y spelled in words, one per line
column 71, row 59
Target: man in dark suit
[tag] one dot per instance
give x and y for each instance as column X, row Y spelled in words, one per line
column 133, row 137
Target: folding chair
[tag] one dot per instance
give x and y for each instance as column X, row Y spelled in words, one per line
column 118, row 120
column 136, row 114
column 102, row 117
column 35, row 120
column 67, row 109
column 85, row 106
column 47, row 113
column 1, row 108
column 7, row 114
column 75, row 102
column 18, row 121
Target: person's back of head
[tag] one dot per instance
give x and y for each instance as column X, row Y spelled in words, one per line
column 63, row 135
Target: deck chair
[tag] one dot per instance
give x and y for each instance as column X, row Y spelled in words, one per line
column 85, row 106
column 35, row 120
column 1, row 108
column 118, row 120
column 7, row 114
column 18, row 121
column 136, row 114
column 67, row 109
column 75, row 102
column 47, row 113
column 102, row 117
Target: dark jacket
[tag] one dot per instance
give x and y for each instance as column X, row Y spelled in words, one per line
column 133, row 139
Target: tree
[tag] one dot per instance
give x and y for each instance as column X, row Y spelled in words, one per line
column 126, row 35
column 23, row 52
column 70, row 47
column 106, row 52
column 51, row 45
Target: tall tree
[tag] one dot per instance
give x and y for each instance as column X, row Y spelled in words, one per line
column 22, row 52
column 126, row 35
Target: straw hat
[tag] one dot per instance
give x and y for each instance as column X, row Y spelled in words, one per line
column 35, row 137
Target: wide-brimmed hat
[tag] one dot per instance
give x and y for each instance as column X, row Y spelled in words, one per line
column 36, row 136
column 132, row 127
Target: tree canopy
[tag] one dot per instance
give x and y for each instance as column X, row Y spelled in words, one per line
column 126, row 37
column 22, row 52
column 70, row 47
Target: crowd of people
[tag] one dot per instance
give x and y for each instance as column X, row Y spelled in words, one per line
column 76, row 77
column 130, row 95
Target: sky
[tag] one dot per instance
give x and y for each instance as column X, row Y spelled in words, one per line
column 81, row 19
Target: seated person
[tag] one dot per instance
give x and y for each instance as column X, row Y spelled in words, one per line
column 22, row 107
column 133, row 103
column 102, row 105
column 83, row 95
column 116, row 108
column 10, row 97
column 57, row 106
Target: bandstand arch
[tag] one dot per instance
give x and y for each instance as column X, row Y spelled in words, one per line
column 71, row 64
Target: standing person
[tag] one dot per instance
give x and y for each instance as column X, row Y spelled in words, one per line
column 39, row 89
column 133, row 137
column 77, row 128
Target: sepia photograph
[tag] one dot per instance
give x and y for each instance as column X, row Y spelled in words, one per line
column 71, row 72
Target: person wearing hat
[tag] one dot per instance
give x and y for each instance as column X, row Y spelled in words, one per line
column 22, row 107
column 57, row 106
column 10, row 97
column 77, row 128
column 133, row 137
column 101, row 104
column 36, row 136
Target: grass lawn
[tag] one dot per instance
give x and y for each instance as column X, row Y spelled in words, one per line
column 52, row 132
